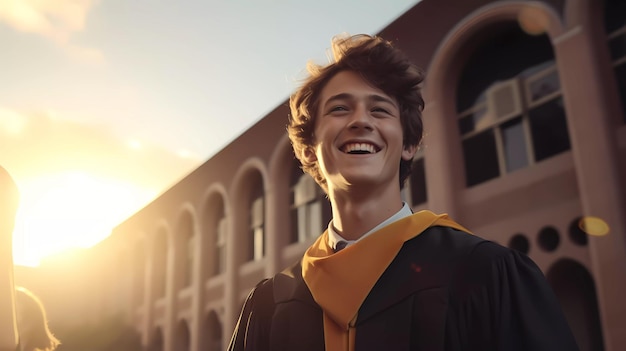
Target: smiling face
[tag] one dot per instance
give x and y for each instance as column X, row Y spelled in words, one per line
column 358, row 135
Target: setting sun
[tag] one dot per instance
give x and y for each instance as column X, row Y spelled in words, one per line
column 71, row 209
column 76, row 180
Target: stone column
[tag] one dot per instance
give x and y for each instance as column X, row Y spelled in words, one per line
column 440, row 157
column 591, row 121
column 231, row 292
column 197, row 283
column 148, row 293
column 272, row 231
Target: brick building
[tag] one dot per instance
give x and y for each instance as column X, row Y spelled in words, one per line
column 525, row 124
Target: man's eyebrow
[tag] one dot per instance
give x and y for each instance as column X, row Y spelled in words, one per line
column 341, row 96
column 380, row 98
column 373, row 97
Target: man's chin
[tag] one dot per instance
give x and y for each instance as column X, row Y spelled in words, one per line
column 360, row 181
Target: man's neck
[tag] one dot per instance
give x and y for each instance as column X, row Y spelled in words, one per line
column 354, row 216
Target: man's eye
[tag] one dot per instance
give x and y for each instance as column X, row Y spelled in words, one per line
column 380, row 109
column 338, row 108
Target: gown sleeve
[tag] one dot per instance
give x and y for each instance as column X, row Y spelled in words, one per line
column 253, row 327
column 506, row 304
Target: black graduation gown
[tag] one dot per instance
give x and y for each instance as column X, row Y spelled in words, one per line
column 445, row 290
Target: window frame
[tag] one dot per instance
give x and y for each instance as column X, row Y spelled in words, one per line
column 521, row 85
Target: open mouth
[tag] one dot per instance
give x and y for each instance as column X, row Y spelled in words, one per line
column 359, row 148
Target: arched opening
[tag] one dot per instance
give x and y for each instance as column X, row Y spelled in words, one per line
column 576, row 234
column 181, row 336
column 575, row 289
column 309, row 209
column 249, row 203
column 139, row 273
column 186, row 237
column 520, row 243
column 216, row 232
column 509, row 104
column 159, row 263
column 213, row 332
column 615, row 28
column 256, row 220
column 417, row 181
column 549, row 238
column 156, row 344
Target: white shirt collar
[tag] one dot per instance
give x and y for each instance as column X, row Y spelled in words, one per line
column 334, row 238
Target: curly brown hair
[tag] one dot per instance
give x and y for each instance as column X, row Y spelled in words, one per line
column 381, row 65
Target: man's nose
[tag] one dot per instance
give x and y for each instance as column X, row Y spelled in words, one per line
column 360, row 119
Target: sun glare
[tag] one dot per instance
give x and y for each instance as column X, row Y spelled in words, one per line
column 134, row 144
column 70, row 210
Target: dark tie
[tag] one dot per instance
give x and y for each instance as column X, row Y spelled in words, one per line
column 340, row 245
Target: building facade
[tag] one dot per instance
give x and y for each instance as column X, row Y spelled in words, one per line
column 525, row 144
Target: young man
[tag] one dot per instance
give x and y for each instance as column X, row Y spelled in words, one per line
column 381, row 277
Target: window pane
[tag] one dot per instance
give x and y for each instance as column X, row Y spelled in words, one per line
column 191, row 244
column 514, row 145
column 486, row 64
column 293, row 217
column 549, row 129
column 251, row 238
column 315, row 219
column 504, row 99
column 259, row 246
column 620, row 75
column 614, row 17
column 220, row 246
column 327, row 213
column 617, row 46
column 257, row 212
column 481, row 158
column 302, row 223
column 468, row 123
column 418, row 182
column 220, row 261
column 544, row 86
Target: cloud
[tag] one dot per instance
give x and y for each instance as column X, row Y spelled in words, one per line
column 85, row 55
column 76, row 180
column 11, row 122
column 36, row 143
column 56, row 20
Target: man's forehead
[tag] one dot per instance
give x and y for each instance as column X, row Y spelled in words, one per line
column 347, row 85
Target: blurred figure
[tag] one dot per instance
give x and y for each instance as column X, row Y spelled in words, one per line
column 32, row 323
column 9, row 200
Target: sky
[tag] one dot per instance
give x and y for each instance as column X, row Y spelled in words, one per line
column 105, row 104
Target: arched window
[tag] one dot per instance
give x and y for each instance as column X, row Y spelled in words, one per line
column 156, row 344
column 188, row 240
column 417, row 181
column 159, row 261
column 139, row 275
column 615, row 27
column 256, row 248
column 509, row 104
column 310, row 209
column 221, row 231
column 575, row 289
column 214, row 332
column 215, row 231
column 181, row 336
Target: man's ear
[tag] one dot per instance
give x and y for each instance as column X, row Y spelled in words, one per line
column 408, row 152
column 308, row 155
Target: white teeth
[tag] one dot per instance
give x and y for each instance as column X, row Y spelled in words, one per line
column 359, row 147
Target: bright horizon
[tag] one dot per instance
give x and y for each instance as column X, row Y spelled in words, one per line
column 105, row 104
